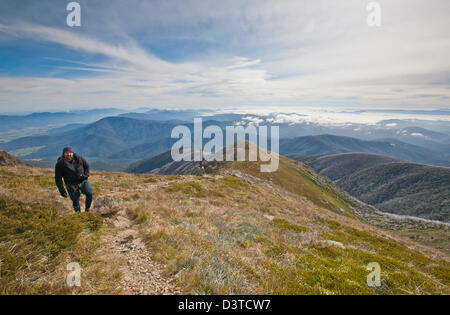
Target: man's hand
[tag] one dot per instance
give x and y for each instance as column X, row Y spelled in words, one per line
column 64, row 194
column 83, row 177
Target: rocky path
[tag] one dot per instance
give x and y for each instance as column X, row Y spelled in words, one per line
column 140, row 273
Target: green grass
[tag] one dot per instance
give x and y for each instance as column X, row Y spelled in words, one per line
column 188, row 188
column 287, row 267
column 343, row 271
column 405, row 271
column 224, row 245
column 299, row 179
column 234, row 183
column 123, row 185
column 283, row 224
column 32, row 236
column 138, row 214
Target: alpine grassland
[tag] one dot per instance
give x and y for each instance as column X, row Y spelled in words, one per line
column 232, row 231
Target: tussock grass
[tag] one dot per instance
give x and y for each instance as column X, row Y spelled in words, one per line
column 32, row 239
column 212, row 246
column 138, row 214
column 40, row 235
column 216, row 235
column 283, row 224
column 188, row 188
column 300, row 179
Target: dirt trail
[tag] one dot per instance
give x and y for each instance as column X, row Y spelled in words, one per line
column 140, row 273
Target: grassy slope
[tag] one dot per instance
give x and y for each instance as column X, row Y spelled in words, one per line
column 403, row 188
column 300, row 179
column 389, row 184
column 216, row 233
column 39, row 236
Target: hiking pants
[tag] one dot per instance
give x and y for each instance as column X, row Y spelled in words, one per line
column 75, row 191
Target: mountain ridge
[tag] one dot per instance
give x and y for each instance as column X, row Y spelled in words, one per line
column 235, row 231
column 330, row 144
column 391, row 185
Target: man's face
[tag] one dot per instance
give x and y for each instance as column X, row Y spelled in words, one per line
column 68, row 156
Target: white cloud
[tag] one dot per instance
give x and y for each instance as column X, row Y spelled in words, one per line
column 138, row 77
column 270, row 53
column 251, row 120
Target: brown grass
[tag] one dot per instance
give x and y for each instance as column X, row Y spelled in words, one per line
column 221, row 234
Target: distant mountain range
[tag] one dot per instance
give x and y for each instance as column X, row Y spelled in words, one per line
column 144, row 150
column 108, row 138
column 8, row 122
column 337, row 166
column 330, row 144
column 299, row 148
column 139, row 135
column 151, row 163
column 100, row 139
column 134, row 139
column 390, row 184
column 167, row 115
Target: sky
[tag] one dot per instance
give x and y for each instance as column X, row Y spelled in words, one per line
column 235, row 54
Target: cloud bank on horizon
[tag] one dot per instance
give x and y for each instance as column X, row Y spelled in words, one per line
column 217, row 54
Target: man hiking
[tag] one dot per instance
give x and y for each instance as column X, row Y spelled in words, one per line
column 75, row 171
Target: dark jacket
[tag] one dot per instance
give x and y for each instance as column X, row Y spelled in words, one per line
column 73, row 173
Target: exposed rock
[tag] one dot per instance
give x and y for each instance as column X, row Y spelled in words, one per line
column 137, row 243
column 105, row 206
column 122, row 222
column 140, row 273
column 127, row 235
column 7, row 159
